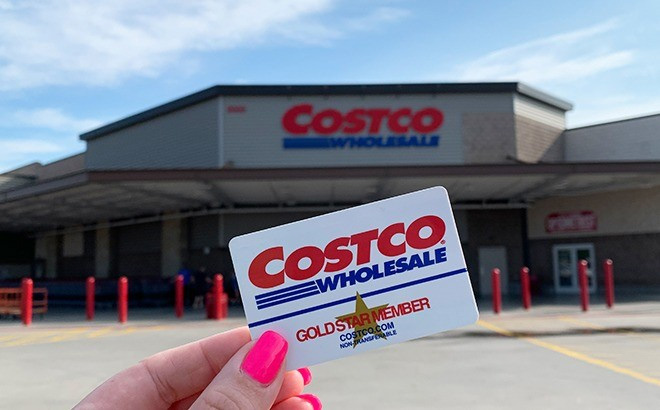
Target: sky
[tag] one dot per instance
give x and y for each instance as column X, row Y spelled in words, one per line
column 68, row 66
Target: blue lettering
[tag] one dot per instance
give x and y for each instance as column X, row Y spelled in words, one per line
column 363, row 274
column 441, row 255
column 389, row 268
column 401, row 265
column 329, row 282
column 415, row 262
column 347, row 277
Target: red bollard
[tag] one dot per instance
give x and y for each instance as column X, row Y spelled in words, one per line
column 584, row 284
column 218, row 290
column 609, row 282
column 526, row 292
column 26, row 301
column 122, row 299
column 90, row 290
column 497, row 291
column 178, row 296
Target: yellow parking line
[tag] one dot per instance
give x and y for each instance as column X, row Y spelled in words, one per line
column 100, row 332
column 9, row 337
column 571, row 353
column 67, row 335
column 126, row 331
column 29, row 339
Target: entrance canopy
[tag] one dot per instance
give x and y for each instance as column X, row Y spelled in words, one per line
column 88, row 197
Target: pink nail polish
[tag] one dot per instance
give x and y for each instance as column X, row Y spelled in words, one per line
column 306, row 375
column 313, row 400
column 264, row 360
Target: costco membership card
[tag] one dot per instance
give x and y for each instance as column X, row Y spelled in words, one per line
column 357, row 279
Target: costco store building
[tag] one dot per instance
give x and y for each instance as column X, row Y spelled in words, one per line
column 170, row 186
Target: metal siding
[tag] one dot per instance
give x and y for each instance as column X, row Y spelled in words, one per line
column 632, row 140
column 182, row 139
column 254, row 138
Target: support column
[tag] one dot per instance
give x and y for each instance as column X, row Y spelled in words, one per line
column 170, row 257
column 45, row 248
column 102, row 252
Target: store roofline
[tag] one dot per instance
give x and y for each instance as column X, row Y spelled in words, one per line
column 109, row 176
column 347, row 89
column 601, row 124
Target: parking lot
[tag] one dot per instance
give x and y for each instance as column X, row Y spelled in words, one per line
column 553, row 356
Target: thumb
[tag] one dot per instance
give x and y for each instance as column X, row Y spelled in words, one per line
column 251, row 379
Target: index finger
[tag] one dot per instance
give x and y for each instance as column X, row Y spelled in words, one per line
column 169, row 376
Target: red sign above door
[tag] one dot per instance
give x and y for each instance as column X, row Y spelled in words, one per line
column 575, row 221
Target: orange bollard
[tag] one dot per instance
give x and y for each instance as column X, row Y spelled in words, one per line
column 218, row 290
column 26, row 301
column 178, row 296
column 524, row 284
column 584, row 284
column 90, row 290
column 497, row 291
column 122, row 299
column 609, row 282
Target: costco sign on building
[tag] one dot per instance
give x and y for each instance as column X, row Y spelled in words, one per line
column 351, row 130
column 361, row 127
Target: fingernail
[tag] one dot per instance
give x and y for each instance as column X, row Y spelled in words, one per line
column 306, row 375
column 313, row 400
column 264, row 360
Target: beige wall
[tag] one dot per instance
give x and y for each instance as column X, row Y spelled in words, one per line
column 619, row 212
column 488, row 138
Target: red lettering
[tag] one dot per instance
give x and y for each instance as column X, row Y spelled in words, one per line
column 257, row 270
column 301, row 118
column 436, row 118
column 341, row 252
column 342, row 256
column 327, row 122
column 292, row 264
column 354, row 121
column 385, row 245
column 394, row 120
column 377, row 115
column 290, row 119
column 363, row 241
column 413, row 237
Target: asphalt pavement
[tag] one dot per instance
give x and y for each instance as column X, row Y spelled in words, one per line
column 552, row 357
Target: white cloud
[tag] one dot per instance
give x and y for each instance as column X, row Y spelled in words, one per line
column 11, row 147
column 560, row 58
column 53, row 119
column 60, row 42
column 376, row 18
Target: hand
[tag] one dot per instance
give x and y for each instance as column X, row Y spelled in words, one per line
column 225, row 371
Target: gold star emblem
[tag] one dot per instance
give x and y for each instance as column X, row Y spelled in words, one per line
column 363, row 318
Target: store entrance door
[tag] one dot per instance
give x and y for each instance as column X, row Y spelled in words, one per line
column 565, row 261
column 492, row 257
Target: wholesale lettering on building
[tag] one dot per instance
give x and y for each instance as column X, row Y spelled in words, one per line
column 310, row 128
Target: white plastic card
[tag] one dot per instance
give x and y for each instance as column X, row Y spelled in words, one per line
column 357, row 279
